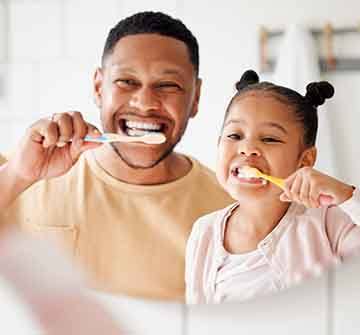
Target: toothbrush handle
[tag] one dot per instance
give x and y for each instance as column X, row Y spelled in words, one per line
column 97, row 139
column 277, row 181
column 325, row 200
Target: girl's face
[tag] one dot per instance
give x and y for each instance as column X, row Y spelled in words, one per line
column 260, row 131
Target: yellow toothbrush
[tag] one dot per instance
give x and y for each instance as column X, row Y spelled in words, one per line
column 249, row 172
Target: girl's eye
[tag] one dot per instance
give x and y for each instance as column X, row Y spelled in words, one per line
column 270, row 140
column 235, row 137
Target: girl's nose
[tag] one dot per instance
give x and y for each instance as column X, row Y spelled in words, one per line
column 144, row 100
column 248, row 149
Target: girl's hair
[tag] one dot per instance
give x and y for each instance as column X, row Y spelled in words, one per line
column 304, row 107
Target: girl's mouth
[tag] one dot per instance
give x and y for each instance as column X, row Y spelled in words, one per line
column 245, row 178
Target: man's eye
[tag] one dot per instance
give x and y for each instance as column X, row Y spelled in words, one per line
column 169, row 86
column 235, row 137
column 126, row 82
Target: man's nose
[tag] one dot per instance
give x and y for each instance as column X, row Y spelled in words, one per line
column 144, row 99
column 248, row 148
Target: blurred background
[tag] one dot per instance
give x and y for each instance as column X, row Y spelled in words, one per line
column 49, row 50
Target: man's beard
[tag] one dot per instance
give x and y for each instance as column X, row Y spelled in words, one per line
column 135, row 166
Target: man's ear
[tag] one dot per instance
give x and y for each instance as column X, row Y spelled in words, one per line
column 98, row 83
column 195, row 107
column 308, row 157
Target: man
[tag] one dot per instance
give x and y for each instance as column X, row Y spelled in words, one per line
column 124, row 210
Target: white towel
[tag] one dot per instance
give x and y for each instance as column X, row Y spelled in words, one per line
column 296, row 66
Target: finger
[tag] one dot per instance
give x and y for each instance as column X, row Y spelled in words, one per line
column 295, row 189
column 284, row 197
column 81, row 144
column 288, row 184
column 50, row 133
column 65, row 125
column 93, row 130
column 79, row 125
column 34, row 132
column 314, row 196
column 304, row 195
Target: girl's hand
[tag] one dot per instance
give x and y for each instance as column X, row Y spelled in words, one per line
column 313, row 189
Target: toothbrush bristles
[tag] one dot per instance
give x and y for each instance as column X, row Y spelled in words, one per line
column 249, row 171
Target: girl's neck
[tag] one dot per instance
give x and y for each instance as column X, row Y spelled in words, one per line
column 249, row 224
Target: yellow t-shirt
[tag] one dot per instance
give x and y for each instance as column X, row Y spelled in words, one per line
column 131, row 239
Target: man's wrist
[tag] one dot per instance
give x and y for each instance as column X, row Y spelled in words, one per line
column 11, row 185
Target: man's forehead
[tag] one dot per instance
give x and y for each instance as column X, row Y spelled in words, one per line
column 154, row 42
column 150, row 50
column 132, row 67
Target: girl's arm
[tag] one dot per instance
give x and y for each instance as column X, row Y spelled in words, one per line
column 307, row 185
column 343, row 226
column 196, row 254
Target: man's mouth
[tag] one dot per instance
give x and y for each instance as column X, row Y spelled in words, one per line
column 140, row 128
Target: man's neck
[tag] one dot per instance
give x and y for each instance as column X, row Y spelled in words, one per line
column 173, row 167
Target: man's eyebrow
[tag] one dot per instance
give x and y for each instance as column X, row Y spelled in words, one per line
column 117, row 67
column 265, row 124
column 171, row 71
column 130, row 70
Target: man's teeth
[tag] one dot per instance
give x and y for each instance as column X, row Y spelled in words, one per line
column 135, row 132
column 142, row 125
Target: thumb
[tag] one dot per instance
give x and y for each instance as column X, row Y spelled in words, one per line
column 284, row 197
column 79, row 145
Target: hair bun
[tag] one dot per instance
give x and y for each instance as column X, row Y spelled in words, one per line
column 318, row 92
column 248, row 78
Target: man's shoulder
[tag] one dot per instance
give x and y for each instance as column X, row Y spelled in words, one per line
column 204, row 172
column 206, row 181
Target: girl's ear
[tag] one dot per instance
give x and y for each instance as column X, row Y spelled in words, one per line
column 308, row 157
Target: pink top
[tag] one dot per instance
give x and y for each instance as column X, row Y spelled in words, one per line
column 305, row 242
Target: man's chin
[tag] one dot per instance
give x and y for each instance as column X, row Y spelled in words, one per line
column 141, row 161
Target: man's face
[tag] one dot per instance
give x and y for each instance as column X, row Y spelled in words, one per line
column 147, row 84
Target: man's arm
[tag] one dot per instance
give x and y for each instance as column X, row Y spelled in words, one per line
column 49, row 149
column 11, row 186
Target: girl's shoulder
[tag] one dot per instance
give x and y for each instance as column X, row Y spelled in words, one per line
column 211, row 220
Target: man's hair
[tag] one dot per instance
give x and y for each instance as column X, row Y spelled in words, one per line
column 153, row 23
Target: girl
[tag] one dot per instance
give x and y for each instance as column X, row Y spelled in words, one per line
column 270, row 238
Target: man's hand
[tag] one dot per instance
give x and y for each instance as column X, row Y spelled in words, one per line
column 312, row 188
column 51, row 147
